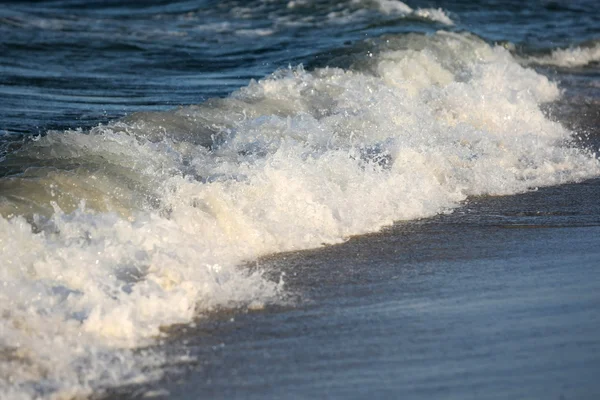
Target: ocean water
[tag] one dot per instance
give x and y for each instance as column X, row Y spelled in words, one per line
column 299, row 199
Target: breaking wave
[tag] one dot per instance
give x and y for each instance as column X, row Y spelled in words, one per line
column 110, row 234
column 568, row 58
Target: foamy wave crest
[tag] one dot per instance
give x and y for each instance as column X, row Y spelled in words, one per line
column 568, row 58
column 350, row 11
column 145, row 222
column 398, row 7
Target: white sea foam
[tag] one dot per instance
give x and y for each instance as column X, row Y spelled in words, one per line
column 255, row 32
column 349, row 11
column 568, row 58
column 398, row 7
column 434, row 14
column 296, row 160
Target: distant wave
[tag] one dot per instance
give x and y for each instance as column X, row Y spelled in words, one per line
column 570, row 57
column 398, row 7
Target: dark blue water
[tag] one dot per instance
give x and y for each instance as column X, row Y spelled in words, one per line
column 130, row 140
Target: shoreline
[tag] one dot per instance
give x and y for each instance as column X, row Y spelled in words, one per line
column 476, row 269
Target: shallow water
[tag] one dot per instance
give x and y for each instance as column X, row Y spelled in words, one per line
column 497, row 300
column 151, row 153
